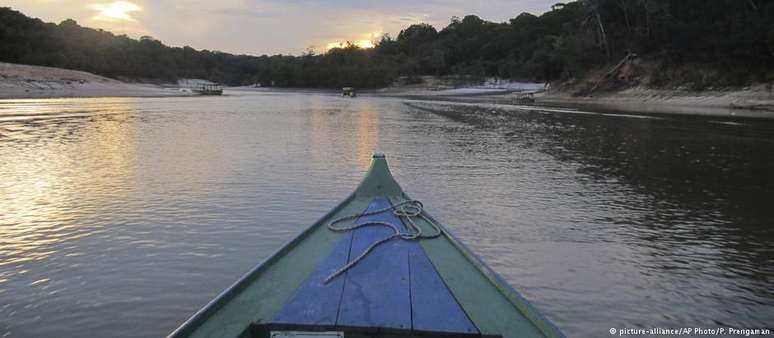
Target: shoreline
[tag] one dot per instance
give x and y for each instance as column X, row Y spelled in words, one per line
column 110, row 93
column 753, row 103
column 31, row 82
column 756, row 102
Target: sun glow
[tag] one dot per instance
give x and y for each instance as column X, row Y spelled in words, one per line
column 358, row 43
column 115, row 11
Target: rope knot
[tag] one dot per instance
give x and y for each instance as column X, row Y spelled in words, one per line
column 406, row 211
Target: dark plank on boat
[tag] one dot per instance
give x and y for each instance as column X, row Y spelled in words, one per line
column 376, row 290
column 327, row 297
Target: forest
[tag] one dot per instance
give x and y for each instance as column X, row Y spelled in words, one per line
column 734, row 39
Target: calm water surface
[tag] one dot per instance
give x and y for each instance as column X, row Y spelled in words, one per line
column 120, row 217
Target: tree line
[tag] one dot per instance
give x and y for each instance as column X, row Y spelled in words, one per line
column 732, row 38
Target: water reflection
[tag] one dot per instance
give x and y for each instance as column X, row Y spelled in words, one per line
column 47, row 177
column 330, row 118
column 367, row 134
column 119, row 211
column 688, row 195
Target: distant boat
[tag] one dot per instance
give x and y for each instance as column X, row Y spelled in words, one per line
column 377, row 265
column 348, row 91
column 208, row 89
column 527, row 99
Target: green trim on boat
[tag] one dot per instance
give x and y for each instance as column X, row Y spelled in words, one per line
column 263, row 292
column 494, row 308
column 378, row 180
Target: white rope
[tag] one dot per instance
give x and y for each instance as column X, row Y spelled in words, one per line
column 405, row 210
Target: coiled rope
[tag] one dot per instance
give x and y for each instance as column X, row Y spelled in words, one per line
column 406, row 210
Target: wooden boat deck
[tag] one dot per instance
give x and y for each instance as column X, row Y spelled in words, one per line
column 394, row 287
column 432, row 287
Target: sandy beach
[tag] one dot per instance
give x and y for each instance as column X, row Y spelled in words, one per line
column 24, row 81
column 751, row 102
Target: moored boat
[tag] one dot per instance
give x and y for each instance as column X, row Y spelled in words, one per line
column 348, row 91
column 377, row 265
column 208, row 89
column 525, row 99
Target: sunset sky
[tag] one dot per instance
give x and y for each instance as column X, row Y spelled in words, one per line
column 267, row 26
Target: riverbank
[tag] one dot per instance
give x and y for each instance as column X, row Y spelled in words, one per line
column 751, row 102
column 24, row 81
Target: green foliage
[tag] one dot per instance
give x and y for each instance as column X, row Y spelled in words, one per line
column 733, row 37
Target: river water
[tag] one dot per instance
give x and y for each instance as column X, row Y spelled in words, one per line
column 120, row 217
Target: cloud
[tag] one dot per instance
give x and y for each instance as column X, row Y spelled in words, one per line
column 115, row 11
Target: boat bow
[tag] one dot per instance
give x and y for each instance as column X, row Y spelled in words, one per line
column 401, row 286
